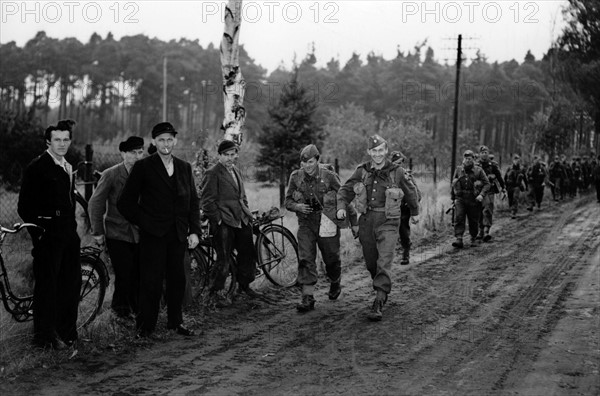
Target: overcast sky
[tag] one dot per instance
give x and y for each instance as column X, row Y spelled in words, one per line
column 273, row 31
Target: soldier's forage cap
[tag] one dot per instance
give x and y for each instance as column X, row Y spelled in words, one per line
column 468, row 153
column 163, row 127
column 397, row 156
column 226, row 145
column 375, row 141
column 132, row 143
column 484, row 148
column 516, row 156
column 309, row 152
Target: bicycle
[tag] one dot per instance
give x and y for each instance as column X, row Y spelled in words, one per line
column 94, row 281
column 276, row 247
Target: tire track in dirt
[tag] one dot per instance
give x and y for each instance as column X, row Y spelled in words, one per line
column 456, row 322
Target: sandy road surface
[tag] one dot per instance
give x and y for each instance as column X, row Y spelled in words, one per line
column 519, row 315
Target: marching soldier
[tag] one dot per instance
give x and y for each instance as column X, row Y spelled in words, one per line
column 311, row 193
column 377, row 187
column 558, row 176
column 537, row 175
column 492, row 171
column 470, row 185
column 399, row 158
column 516, row 182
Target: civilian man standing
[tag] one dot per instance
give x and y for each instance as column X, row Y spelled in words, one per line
column 378, row 186
column 121, row 237
column 160, row 198
column 225, row 205
column 47, row 199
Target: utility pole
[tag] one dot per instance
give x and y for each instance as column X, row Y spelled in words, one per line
column 456, row 97
column 164, row 111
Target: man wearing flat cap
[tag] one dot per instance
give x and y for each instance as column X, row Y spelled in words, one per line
column 225, row 204
column 492, row 171
column 516, row 182
column 311, row 193
column 377, row 188
column 160, row 198
column 110, row 227
column 470, row 185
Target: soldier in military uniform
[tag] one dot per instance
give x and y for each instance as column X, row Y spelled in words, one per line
column 595, row 177
column 568, row 181
column 516, row 182
column 311, row 193
column 537, row 174
column 470, row 185
column 399, row 158
column 492, row 171
column 377, row 187
column 558, row 176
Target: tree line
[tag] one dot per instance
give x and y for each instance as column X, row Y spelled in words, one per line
column 114, row 88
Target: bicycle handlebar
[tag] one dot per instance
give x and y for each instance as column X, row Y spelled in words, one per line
column 18, row 227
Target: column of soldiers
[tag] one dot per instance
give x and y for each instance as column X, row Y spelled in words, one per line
column 148, row 212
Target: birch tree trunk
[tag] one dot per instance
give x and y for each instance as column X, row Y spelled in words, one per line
column 234, row 85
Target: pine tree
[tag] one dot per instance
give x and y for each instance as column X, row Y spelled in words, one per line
column 291, row 126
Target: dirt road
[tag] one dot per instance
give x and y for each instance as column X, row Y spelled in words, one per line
column 519, row 315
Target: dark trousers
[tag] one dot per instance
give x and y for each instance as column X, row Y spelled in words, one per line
column 378, row 237
column 161, row 259
column 124, row 257
column 536, row 194
column 308, row 241
column 486, row 217
column 57, row 272
column 470, row 210
column 226, row 239
column 557, row 189
column 598, row 190
column 405, row 227
column 513, row 199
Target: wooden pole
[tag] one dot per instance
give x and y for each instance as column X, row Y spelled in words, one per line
column 456, row 97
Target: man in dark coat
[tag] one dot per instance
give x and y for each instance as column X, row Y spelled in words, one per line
column 160, row 198
column 537, row 175
column 110, row 227
column 225, row 205
column 47, row 199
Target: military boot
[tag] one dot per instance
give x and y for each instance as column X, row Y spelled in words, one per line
column 405, row 257
column 307, row 303
column 334, row 290
column 481, row 233
column 376, row 312
column 458, row 243
column 486, row 234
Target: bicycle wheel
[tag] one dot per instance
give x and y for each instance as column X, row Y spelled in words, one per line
column 278, row 255
column 199, row 272
column 94, row 281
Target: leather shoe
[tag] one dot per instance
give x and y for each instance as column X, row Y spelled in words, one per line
column 55, row 343
column 249, row 292
column 182, row 330
column 335, row 289
column 307, row 303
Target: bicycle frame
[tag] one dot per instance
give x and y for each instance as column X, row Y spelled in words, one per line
column 19, row 307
